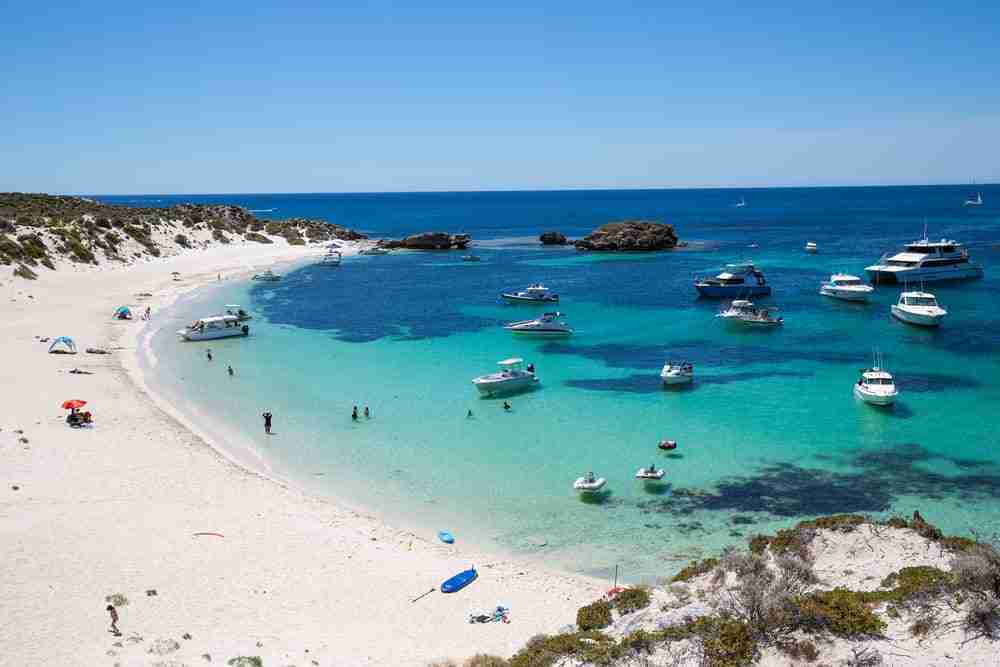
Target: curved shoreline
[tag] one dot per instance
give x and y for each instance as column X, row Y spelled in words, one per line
column 115, row 509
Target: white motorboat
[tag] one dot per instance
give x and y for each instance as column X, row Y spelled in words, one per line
column 589, row 483
column 536, row 293
column 511, row 377
column 549, row 324
column 374, row 250
column 332, row 258
column 741, row 203
column 677, row 372
column 210, row 328
column 876, row 386
column 736, row 280
column 236, row 310
column 846, row 287
column 736, row 308
column 811, row 246
column 760, row 317
column 925, row 261
column 920, row 308
column 652, row 473
column 267, row 276
column 978, row 201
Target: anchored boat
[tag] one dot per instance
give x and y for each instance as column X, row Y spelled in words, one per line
column 511, row 377
column 920, row 308
column 736, row 280
column 536, row 293
column 211, row 328
column 549, row 324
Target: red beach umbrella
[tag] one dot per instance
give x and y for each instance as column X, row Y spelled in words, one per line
column 73, row 404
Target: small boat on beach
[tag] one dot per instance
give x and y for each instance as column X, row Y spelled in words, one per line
column 459, row 581
column 919, row 308
column 549, row 324
column 677, row 372
column 236, row 310
column 876, row 385
column 652, row 473
column 846, row 288
column 267, row 276
column 735, row 280
column 446, row 537
column 211, row 328
column 536, row 293
column 511, row 377
column 589, row 483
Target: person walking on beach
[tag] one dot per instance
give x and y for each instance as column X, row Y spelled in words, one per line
column 354, row 413
column 208, row 354
column 147, row 314
column 229, row 369
column 267, row 422
column 114, row 621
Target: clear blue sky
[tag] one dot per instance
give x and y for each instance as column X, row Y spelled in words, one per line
column 116, row 97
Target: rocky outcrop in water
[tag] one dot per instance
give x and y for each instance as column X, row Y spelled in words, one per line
column 429, row 241
column 634, row 235
column 552, row 238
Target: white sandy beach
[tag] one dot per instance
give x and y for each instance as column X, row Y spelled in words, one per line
column 113, row 509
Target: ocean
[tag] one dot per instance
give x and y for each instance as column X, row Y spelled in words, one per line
column 768, row 434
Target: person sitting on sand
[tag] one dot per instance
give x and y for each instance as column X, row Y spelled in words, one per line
column 114, row 621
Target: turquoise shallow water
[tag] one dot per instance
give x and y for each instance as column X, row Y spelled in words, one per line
column 769, row 433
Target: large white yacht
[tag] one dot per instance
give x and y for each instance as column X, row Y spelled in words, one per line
column 925, row 261
column 846, row 287
column 511, row 377
column 876, row 386
column 210, row 328
column 920, row 308
column 549, row 324
column 536, row 293
column 736, row 280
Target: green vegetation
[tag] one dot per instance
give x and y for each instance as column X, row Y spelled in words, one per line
column 116, row 599
column 245, row 661
column 258, row 238
column 23, row 271
column 631, row 599
column 483, row 660
column 803, row 650
column 182, row 241
column 842, row 612
column 594, row 616
column 696, row 569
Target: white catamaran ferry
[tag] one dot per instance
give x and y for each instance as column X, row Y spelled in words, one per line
column 925, row 261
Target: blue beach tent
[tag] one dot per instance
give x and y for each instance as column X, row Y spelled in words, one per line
column 62, row 345
column 123, row 313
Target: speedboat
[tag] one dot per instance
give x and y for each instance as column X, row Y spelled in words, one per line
column 760, row 317
column 210, row 328
column 536, row 293
column 978, row 201
column 667, row 445
column 331, row 258
column 375, row 250
column 846, row 287
column 677, row 372
column 811, row 246
column 511, row 377
column 267, row 276
column 920, row 308
column 925, row 261
column 650, row 474
column 471, row 258
column 736, row 280
column 736, row 308
column 549, row 324
column 236, row 310
column 876, row 386
column 589, row 484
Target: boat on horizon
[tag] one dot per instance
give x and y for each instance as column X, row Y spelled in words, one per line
column 549, row 324
column 925, row 261
column 741, row 203
column 736, row 280
column 536, row 293
column 846, row 287
column 212, row 328
column 512, row 377
column 978, row 201
column 920, row 308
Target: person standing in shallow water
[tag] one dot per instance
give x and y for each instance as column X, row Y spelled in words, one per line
column 208, row 354
column 368, row 414
column 229, row 369
column 267, row 422
column 114, row 621
column 354, row 413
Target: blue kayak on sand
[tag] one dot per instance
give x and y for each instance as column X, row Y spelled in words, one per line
column 446, row 537
column 459, row 581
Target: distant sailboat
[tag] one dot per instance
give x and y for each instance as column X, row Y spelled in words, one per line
column 978, row 201
column 741, row 203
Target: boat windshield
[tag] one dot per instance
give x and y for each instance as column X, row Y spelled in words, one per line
column 849, row 282
column 882, row 381
column 920, row 301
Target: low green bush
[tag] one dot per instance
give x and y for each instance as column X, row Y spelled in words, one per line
column 594, row 616
column 696, row 569
column 841, row 612
column 631, row 599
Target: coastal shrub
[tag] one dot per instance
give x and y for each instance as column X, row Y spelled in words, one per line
column 977, row 571
column 594, row 616
column 725, row 642
column 245, row 661
column 844, row 523
column 295, row 240
column 695, row 569
column 796, row 569
column 923, row 626
column 182, row 241
column 23, row 271
column 33, row 246
column 841, row 612
column 483, row 660
column 259, row 238
column 758, row 544
column 910, row 583
column 803, row 650
column 220, row 236
column 631, row 599
column 103, row 223
column 957, row 544
column 545, row 650
column 982, row 618
column 47, row 263
column 897, row 522
column 78, row 252
column 116, row 599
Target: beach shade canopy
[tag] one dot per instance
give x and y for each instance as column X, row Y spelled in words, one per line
column 74, row 404
column 123, row 313
column 62, row 345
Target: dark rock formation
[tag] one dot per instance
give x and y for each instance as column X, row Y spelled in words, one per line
column 641, row 235
column 552, row 238
column 429, row 241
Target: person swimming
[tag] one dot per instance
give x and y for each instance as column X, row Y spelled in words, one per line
column 368, row 414
column 354, row 413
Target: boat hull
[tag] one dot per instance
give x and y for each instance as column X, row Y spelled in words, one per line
column 731, row 291
column 459, row 581
column 505, row 387
column 552, row 333
column 856, row 296
column 581, row 485
column 918, row 319
column 885, row 275
column 881, row 400
column 513, row 298
column 676, row 379
column 193, row 336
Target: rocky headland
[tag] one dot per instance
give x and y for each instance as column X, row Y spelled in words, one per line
column 429, row 241
column 552, row 238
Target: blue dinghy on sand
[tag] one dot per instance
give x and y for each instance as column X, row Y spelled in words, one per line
column 459, row 581
column 446, row 537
